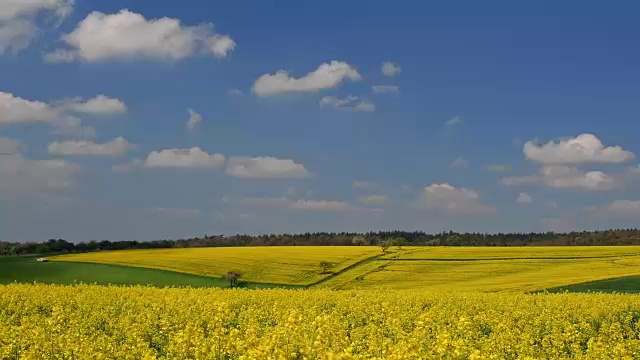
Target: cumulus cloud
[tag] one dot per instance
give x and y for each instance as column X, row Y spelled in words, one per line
column 449, row 198
column 318, row 205
column 183, row 158
column 456, row 120
column 59, row 114
column 460, row 162
column 99, row 105
column 9, row 146
column 18, row 20
column 390, row 69
column 562, row 224
column 498, row 168
column 360, row 184
column 265, row 167
column 194, row 120
column 128, row 167
column 16, row 35
column 16, row 110
column 235, row 92
column 565, row 177
column 582, row 149
column 350, row 103
column 524, row 198
column 304, row 205
column 385, row 89
column 128, row 35
column 178, row 213
column 72, row 126
column 618, row 208
column 326, row 76
column 373, row 200
column 21, row 175
column 116, row 147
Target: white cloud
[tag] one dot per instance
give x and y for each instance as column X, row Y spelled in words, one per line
column 265, row 167
column 304, row 205
column 21, row 175
column 235, row 92
column 564, row 177
column 390, row 69
column 498, row 168
column 220, row 45
column 360, row 184
column 99, row 105
column 561, row 224
column 448, row 198
column 633, row 170
column 9, row 146
column 582, row 149
column 319, row 205
column 326, row 76
column 18, row 20
column 524, row 198
column 522, row 180
column 128, row 35
column 618, row 208
column 16, row 35
column 12, row 9
column 385, row 89
column 72, row 126
column 15, row 110
column 184, row 158
column 350, row 103
column 460, row 162
column 116, row 147
column 456, row 120
column 178, row 213
column 131, row 166
column 194, row 121
column 373, row 200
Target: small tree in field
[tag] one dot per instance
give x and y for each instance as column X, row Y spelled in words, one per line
column 326, row 266
column 384, row 246
column 399, row 242
column 232, row 277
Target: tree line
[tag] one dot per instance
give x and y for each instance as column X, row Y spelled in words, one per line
column 409, row 238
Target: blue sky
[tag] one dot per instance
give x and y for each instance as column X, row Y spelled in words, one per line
column 498, row 117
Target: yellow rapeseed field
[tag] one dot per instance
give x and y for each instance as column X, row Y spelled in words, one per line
column 294, row 265
column 485, row 269
column 513, row 252
column 94, row 322
column 485, row 275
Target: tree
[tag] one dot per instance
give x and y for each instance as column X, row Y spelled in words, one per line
column 232, row 277
column 326, row 266
column 359, row 240
column 384, row 246
column 399, row 242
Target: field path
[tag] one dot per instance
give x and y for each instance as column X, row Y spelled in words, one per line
column 350, row 267
column 362, row 263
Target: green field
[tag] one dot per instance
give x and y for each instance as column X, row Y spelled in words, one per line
column 628, row 285
column 28, row 270
column 484, row 269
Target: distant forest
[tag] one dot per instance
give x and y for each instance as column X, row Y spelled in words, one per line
column 415, row 238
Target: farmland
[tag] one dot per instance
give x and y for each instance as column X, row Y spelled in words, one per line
column 484, row 269
column 44, row 321
column 409, row 303
column 290, row 265
column 27, row 270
